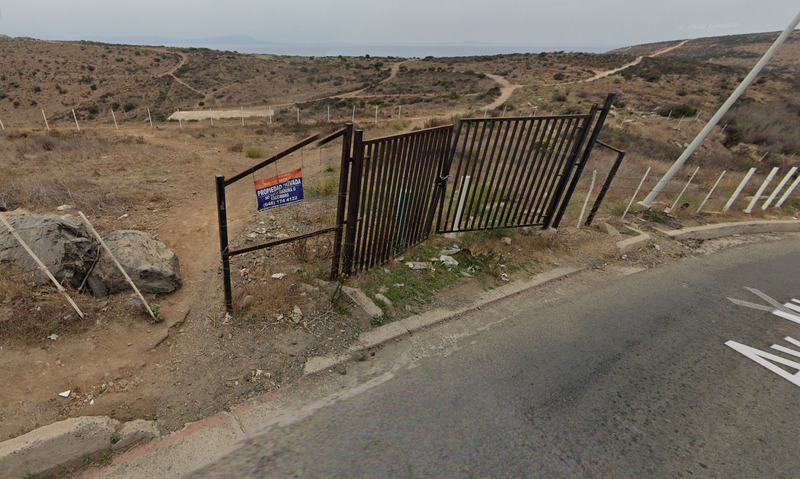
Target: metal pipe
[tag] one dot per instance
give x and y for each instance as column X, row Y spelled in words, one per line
column 683, row 190
column 636, row 192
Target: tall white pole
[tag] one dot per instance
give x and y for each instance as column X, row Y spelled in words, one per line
column 586, row 201
column 721, row 112
column 739, row 189
column 683, row 190
column 779, row 188
column 115, row 119
column 76, row 120
column 760, row 191
column 635, row 193
column 45, row 120
column 149, row 118
column 788, row 192
column 711, row 192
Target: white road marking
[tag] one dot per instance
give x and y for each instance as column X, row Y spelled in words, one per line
column 768, row 360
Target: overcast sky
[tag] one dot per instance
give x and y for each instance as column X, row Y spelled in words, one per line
column 568, row 24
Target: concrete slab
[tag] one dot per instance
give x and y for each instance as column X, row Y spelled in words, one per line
column 361, row 301
column 48, row 447
column 632, row 244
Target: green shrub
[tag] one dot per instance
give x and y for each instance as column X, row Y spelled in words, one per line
column 254, row 151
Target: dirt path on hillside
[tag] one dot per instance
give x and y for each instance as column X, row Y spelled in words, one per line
column 506, row 90
column 638, row 60
column 392, row 75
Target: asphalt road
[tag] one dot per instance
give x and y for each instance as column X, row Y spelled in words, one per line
column 595, row 378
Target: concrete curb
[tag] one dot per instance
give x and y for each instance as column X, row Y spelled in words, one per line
column 721, row 230
column 398, row 329
column 66, row 442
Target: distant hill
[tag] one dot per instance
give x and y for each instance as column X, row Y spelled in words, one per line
column 734, row 50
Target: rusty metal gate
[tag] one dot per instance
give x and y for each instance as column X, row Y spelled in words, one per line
column 512, row 172
column 394, row 180
column 492, row 173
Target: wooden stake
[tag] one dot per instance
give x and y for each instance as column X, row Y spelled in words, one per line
column 41, row 265
column 76, row 120
column 119, row 266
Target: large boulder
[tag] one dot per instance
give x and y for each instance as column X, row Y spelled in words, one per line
column 61, row 242
column 152, row 266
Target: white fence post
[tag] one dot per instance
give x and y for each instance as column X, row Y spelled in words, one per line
column 683, row 190
column 779, row 188
column 149, row 118
column 788, row 192
column 462, row 198
column 586, row 201
column 760, row 191
column 242, row 114
column 115, row 119
column 636, row 193
column 76, row 120
column 711, row 192
column 738, row 190
column 2, row 126
column 45, row 120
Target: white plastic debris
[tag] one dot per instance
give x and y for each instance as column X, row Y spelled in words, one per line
column 65, row 394
column 448, row 260
column 279, row 275
column 52, row 337
column 123, row 217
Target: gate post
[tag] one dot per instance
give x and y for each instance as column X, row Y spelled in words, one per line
column 353, row 203
column 222, row 218
column 582, row 163
column 344, row 175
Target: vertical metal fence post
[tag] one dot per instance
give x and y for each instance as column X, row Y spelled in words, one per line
column 344, row 174
column 601, row 119
column 353, row 203
column 611, row 175
column 222, row 217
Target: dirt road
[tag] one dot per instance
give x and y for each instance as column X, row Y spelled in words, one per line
column 638, row 60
